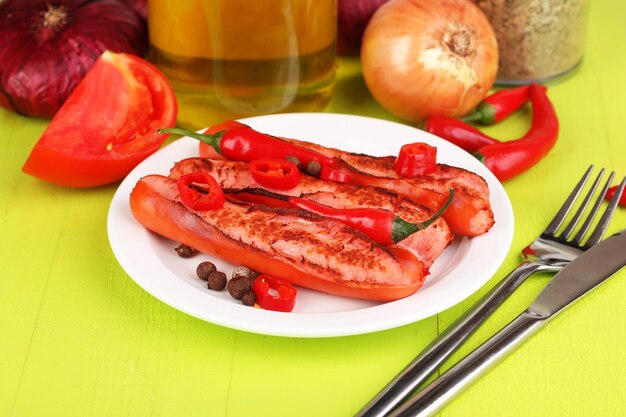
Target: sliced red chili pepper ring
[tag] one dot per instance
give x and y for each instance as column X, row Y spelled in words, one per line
column 416, row 159
column 200, row 191
column 279, row 174
column 274, row 293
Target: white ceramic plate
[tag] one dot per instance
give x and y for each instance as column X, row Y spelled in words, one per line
column 461, row 270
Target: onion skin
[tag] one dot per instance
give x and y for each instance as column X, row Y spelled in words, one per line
column 424, row 58
column 352, row 19
column 41, row 63
column 139, row 6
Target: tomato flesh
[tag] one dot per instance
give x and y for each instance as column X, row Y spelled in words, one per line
column 107, row 125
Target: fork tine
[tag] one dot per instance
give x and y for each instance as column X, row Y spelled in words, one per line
column 565, row 208
column 572, row 224
column 604, row 221
column 580, row 236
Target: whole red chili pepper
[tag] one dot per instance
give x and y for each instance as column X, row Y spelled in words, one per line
column 611, row 192
column 498, row 105
column 508, row 159
column 462, row 134
column 246, row 144
column 382, row 226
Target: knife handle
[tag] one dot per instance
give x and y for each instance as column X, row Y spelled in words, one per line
column 428, row 401
column 418, row 371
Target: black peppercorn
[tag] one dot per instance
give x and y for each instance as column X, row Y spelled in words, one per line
column 204, row 270
column 313, row 168
column 216, row 281
column 293, row 159
column 184, row 251
column 248, row 299
column 238, row 286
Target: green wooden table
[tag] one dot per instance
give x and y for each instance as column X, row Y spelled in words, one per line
column 79, row 338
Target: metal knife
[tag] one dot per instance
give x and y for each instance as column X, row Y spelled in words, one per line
column 586, row 272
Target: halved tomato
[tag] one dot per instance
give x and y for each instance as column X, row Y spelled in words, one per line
column 107, row 125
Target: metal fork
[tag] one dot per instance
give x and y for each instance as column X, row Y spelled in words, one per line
column 550, row 252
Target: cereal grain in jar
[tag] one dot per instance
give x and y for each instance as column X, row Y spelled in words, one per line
column 537, row 39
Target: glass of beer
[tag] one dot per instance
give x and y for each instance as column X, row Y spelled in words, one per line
column 228, row 59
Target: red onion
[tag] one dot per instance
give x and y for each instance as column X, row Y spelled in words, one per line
column 140, row 6
column 47, row 46
column 352, row 18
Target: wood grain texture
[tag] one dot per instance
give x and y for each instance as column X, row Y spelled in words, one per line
column 79, row 338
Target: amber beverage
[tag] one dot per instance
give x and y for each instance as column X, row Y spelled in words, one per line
column 228, row 59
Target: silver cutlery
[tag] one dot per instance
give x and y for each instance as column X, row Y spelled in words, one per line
column 583, row 274
column 550, row 252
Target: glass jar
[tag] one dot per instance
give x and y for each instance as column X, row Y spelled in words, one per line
column 538, row 40
column 228, row 59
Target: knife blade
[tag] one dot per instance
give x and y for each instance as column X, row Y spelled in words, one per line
column 586, row 272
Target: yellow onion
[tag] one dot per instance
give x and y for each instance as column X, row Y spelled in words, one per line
column 425, row 58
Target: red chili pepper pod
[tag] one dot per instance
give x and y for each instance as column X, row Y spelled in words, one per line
column 274, row 293
column 416, row 159
column 246, row 144
column 199, row 191
column 499, row 105
column 335, row 173
column 207, row 151
column 455, row 131
column 508, row 159
column 611, row 192
column 380, row 225
column 376, row 223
